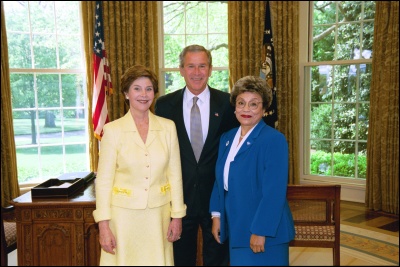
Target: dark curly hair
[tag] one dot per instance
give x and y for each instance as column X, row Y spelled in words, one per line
column 253, row 84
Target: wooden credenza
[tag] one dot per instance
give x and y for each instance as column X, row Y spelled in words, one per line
column 57, row 231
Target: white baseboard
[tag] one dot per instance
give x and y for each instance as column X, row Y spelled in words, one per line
column 353, row 194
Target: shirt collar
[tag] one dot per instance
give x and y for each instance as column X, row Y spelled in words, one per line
column 188, row 96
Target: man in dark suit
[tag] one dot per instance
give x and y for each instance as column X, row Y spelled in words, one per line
column 217, row 116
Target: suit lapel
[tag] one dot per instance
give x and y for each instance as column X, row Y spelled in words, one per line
column 177, row 117
column 130, row 126
column 177, row 107
column 154, row 126
column 252, row 137
column 216, row 112
column 228, row 145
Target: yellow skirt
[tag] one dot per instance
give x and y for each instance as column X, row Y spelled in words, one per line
column 141, row 237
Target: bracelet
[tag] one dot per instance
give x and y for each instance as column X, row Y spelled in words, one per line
column 212, row 217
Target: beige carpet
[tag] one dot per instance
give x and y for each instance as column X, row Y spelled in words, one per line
column 384, row 248
column 359, row 247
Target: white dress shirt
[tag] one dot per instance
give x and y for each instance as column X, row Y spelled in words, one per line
column 231, row 157
column 232, row 153
column 204, row 106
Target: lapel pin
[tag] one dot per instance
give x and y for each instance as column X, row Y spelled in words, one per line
column 248, row 143
column 216, row 114
column 227, row 143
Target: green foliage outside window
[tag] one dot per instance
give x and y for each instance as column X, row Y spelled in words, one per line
column 47, row 82
column 195, row 22
column 339, row 89
column 343, row 164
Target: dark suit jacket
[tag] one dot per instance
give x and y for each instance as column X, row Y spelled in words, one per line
column 198, row 177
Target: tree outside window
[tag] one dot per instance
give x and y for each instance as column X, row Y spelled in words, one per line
column 194, row 22
column 47, row 78
column 338, row 78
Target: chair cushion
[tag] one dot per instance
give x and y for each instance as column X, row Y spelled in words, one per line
column 10, row 231
column 321, row 233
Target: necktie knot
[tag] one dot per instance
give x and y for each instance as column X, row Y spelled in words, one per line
column 195, row 98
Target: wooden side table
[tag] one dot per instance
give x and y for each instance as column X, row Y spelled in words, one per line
column 57, row 231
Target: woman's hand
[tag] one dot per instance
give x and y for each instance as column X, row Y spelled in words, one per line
column 216, row 228
column 106, row 237
column 174, row 229
column 257, row 243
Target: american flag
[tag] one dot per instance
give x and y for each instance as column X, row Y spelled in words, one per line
column 102, row 78
column 268, row 68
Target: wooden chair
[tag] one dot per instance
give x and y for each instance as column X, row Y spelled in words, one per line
column 8, row 233
column 316, row 214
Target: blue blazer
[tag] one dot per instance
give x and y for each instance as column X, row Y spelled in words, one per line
column 258, row 179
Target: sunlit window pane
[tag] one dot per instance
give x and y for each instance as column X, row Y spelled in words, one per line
column 337, row 91
column 48, row 88
column 194, row 22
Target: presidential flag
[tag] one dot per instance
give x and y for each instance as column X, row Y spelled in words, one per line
column 268, row 68
column 102, row 86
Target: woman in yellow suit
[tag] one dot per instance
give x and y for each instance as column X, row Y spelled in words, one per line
column 139, row 197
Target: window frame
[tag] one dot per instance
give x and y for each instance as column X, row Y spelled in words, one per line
column 162, row 70
column 24, row 186
column 305, row 49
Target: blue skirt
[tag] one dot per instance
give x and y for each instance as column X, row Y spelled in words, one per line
column 277, row 255
column 273, row 256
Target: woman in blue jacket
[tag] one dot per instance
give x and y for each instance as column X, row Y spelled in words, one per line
column 248, row 202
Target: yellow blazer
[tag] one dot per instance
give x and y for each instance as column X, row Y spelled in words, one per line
column 134, row 175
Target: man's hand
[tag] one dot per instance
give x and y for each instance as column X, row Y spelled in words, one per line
column 216, row 228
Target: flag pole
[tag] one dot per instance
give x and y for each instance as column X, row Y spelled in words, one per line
column 268, row 71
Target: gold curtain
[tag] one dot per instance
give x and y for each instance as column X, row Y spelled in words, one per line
column 131, row 37
column 9, row 171
column 245, row 38
column 245, row 31
column 382, row 187
column 285, row 30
